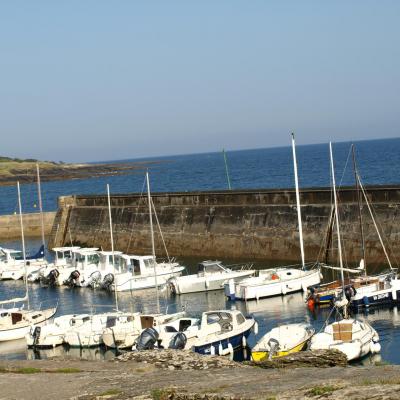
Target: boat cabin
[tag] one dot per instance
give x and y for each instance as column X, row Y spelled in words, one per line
column 138, row 265
column 10, row 256
column 106, row 260
column 210, row 267
column 82, row 258
column 221, row 321
column 63, row 255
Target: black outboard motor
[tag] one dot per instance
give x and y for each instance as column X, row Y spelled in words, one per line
column 273, row 347
column 107, row 282
column 349, row 292
column 178, row 341
column 36, row 335
column 71, row 281
column 147, row 339
column 94, row 279
column 52, row 277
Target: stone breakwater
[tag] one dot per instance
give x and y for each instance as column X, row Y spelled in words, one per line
column 252, row 224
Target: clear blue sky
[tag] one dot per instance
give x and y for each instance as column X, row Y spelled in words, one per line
column 96, row 80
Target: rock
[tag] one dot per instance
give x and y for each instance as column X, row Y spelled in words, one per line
column 317, row 358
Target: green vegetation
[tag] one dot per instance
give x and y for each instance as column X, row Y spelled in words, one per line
column 162, row 394
column 111, row 392
column 26, row 370
column 321, row 390
column 31, row 370
column 65, row 371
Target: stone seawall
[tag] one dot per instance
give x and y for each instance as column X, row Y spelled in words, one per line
column 253, row 224
column 10, row 225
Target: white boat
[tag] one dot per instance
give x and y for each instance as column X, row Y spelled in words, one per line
column 279, row 281
column 352, row 337
column 124, row 335
column 221, row 332
column 138, row 273
column 60, row 270
column 52, row 334
column 16, row 324
column 211, row 275
column 273, row 282
column 281, row 341
column 90, row 333
column 12, row 263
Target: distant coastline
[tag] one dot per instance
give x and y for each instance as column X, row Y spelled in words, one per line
column 13, row 170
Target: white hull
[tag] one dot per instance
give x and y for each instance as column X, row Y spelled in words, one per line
column 256, row 288
column 127, row 281
column 195, row 283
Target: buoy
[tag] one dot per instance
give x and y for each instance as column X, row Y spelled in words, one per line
column 220, row 350
column 207, row 284
column 304, row 287
column 394, row 295
column 283, row 289
column 375, row 347
column 365, row 301
column 231, row 289
column 244, row 341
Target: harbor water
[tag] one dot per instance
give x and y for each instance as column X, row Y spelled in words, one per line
column 268, row 312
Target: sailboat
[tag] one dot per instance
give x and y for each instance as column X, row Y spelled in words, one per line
column 352, row 337
column 16, row 323
column 278, row 281
column 363, row 289
column 142, row 272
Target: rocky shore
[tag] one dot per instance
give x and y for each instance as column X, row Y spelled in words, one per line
column 149, row 376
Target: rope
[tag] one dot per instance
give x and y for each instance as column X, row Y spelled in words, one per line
column 161, row 234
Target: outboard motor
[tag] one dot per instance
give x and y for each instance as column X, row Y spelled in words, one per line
column 273, row 348
column 52, row 277
column 71, row 281
column 36, row 335
column 178, row 341
column 147, row 339
column 94, row 279
column 107, row 282
column 349, row 292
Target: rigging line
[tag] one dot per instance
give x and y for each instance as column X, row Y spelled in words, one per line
column 345, row 167
column 373, row 220
column 159, row 228
column 136, row 214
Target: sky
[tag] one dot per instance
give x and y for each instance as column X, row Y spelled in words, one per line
column 106, row 80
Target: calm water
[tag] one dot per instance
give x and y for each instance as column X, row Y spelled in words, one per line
column 268, row 312
column 262, row 168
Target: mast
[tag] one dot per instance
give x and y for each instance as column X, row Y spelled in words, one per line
column 226, row 169
column 337, row 215
column 112, row 245
column 23, row 242
column 40, row 207
column 359, row 210
column 296, row 180
column 153, row 251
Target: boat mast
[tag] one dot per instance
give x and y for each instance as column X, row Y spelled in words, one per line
column 112, row 245
column 226, row 169
column 337, row 215
column 40, row 207
column 296, row 180
column 153, row 251
column 23, row 243
column 359, row 210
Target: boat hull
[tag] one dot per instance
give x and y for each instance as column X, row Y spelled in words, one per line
column 259, row 356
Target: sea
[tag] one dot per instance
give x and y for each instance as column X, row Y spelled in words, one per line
column 377, row 160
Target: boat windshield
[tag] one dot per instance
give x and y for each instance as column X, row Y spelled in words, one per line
column 149, row 263
column 3, row 256
column 209, row 268
column 17, row 255
column 93, row 259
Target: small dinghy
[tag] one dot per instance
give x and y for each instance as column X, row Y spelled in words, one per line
column 281, row 341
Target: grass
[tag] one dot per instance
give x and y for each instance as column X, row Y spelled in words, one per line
column 162, row 394
column 321, row 390
column 111, row 392
column 65, row 371
column 27, row 370
column 31, row 370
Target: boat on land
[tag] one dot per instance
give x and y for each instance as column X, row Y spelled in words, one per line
column 352, row 337
column 211, row 275
column 282, row 341
column 279, row 281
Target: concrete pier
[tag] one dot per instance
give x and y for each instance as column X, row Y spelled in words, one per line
column 251, row 224
column 10, row 225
